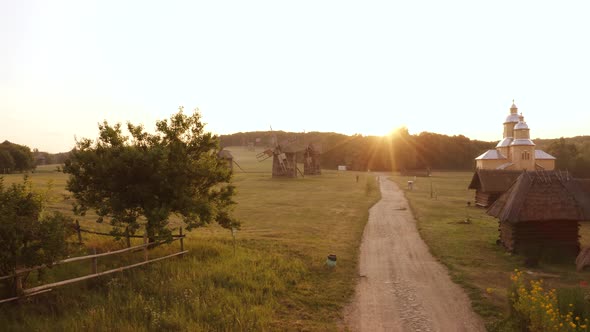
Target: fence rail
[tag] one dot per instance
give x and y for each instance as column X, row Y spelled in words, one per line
column 18, row 275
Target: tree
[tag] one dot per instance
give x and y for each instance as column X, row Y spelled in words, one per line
column 152, row 176
column 21, row 156
column 6, row 161
column 29, row 236
column 565, row 154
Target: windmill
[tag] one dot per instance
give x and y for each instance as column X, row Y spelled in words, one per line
column 284, row 157
column 311, row 160
column 226, row 156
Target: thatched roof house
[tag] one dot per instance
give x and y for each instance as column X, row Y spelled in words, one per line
column 489, row 184
column 540, row 212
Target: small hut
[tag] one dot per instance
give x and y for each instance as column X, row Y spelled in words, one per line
column 539, row 215
column 226, row 156
column 489, row 184
column 311, row 165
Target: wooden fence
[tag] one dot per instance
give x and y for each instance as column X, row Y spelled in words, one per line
column 21, row 273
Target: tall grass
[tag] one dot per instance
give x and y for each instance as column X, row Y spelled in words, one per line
column 277, row 279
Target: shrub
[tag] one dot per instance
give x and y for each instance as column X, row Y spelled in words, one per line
column 538, row 309
column 28, row 235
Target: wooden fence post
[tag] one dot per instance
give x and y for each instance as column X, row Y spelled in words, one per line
column 181, row 241
column 18, row 285
column 94, row 262
column 127, row 237
column 79, row 232
column 145, row 248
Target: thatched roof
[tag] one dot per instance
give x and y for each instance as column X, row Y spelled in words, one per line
column 493, row 180
column 293, row 148
column 581, row 190
column 541, row 196
column 225, row 154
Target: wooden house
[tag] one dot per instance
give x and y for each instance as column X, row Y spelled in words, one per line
column 539, row 215
column 489, row 184
column 311, row 160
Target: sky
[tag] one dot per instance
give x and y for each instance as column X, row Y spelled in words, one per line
column 366, row 67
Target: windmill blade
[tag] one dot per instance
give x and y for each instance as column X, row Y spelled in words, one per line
column 262, row 156
column 300, row 172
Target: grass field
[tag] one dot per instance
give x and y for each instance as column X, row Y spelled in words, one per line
column 469, row 250
column 277, row 279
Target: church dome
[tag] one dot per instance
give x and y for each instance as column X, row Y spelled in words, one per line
column 521, row 125
column 511, row 118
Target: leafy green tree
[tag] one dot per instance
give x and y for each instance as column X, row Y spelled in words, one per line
column 29, row 236
column 6, row 161
column 149, row 177
column 21, row 155
column 565, row 153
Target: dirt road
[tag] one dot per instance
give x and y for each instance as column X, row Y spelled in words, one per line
column 401, row 286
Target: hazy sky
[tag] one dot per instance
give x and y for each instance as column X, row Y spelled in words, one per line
column 351, row 67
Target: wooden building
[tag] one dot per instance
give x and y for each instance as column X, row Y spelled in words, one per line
column 489, row 184
column 539, row 215
column 284, row 162
column 226, row 156
column 311, row 160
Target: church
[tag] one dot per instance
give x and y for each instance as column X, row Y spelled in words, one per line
column 516, row 151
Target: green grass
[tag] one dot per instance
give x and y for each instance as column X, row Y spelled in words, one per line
column 469, row 250
column 277, row 279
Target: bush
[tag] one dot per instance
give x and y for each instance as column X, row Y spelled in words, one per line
column 28, row 235
column 538, row 309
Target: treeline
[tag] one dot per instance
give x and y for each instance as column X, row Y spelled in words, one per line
column 15, row 158
column 19, row 158
column 46, row 158
column 402, row 151
column 572, row 153
column 399, row 151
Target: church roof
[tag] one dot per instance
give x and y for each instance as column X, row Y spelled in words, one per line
column 540, row 154
column 522, row 141
column 504, row 166
column 504, row 142
column 491, row 154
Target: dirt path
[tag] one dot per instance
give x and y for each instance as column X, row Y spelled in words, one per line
column 401, row 286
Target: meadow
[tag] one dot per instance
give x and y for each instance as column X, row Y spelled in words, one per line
column 464, row 238
column 276, row 279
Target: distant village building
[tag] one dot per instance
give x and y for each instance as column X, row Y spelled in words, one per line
column 516, row 151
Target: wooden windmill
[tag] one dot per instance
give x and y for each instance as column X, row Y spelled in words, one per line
column 227, row 157
column 284, row 158
column 311, row 160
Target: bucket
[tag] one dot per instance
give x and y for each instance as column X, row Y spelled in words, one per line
column 331, row 261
